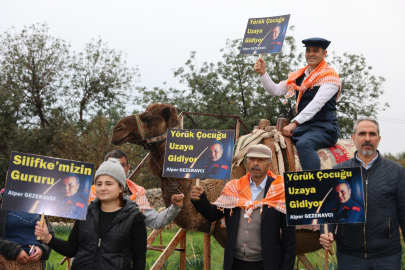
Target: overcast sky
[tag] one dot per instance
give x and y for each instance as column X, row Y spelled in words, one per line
column 158, row 36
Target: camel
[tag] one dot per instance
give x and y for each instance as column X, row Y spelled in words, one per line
column 155, row 121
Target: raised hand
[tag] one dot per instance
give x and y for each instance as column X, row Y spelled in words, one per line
column 177, row 199
column 260, row 66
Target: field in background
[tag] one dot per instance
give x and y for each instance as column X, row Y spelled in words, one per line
column 195, row 245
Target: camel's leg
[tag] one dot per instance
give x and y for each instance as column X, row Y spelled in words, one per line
column 207, row 251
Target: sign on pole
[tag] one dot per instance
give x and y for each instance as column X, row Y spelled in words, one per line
column 324, row 196
column 48, row 186
column 265, row 35
column 205, row 154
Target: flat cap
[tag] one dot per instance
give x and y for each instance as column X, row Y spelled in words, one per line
column 316, row 42
column 259, row 150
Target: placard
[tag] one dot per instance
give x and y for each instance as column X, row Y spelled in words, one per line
column 204, row 154
column 265, row 35
column 48, row 186
column 324, row 196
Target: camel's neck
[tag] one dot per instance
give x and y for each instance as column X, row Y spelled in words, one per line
column 169, row 186
column 156, row 160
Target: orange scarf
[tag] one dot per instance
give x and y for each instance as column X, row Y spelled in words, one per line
column 322, row 74
column 237, row 194
column 138, row 195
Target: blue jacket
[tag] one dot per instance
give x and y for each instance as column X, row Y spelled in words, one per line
column 73, row 205
column 219, row 169
column 276, row 45
column 384, row 189
column 348, row 212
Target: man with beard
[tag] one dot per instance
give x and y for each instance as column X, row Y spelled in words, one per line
column 376, row 243
column 316, row 88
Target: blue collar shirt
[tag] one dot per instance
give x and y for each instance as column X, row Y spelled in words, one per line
column 255, row 190
column 370, row 164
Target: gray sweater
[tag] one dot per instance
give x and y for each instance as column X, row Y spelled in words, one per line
column 155, row 220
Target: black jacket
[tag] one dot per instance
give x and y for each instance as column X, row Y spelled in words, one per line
column 384, row 196
column 113, row 251
column 278, row 250
column 10, row 250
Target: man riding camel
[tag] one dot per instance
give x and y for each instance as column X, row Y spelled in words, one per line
column 316, row 88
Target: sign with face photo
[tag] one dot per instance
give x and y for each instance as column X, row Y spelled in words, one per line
column 48, row 186
column 204, row 154
column 324, row 196
column 265, row 35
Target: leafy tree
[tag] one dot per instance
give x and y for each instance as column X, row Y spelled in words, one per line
column 360, row 90
column 92, row 143
column 44, row 91
column 232, row 87
column 400, row 158
column 33, row 72
column 100, row 78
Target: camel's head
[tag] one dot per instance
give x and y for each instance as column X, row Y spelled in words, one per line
column 155, row 121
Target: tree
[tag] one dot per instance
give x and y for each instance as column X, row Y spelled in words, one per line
column 232, row 87
column 399, row 157
column 46, row 95
column 100, row 78
column 33, row 72
column 360, row 90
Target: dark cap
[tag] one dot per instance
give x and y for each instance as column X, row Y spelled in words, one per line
column 316, row 42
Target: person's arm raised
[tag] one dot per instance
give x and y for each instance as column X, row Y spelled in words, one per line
column 156, row 221
column 203, row 205
column 267, row 82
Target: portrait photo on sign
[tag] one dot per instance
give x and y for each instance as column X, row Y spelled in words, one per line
column 324, row 196
column 48, row 186
column 265, row 35
column 204, row 154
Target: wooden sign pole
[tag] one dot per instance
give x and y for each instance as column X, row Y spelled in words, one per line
column 325, row 227
column 41, row 223
column 197, row 182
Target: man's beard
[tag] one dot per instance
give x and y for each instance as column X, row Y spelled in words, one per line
column 367, row 152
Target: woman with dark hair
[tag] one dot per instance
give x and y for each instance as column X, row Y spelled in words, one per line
column 18, row 244
column 114, row 232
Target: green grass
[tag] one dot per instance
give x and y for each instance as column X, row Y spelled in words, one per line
column 195, row 246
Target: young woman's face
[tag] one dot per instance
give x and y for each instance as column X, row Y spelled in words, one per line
column 107, row 188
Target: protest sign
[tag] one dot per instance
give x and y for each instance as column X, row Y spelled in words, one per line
column 205, row 154
column 48, row 186
column 324, row 196
column 265, row 35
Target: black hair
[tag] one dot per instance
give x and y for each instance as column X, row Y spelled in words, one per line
column 217, row 142
column 73, row 175
column 343, row 182
column 117, row 153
